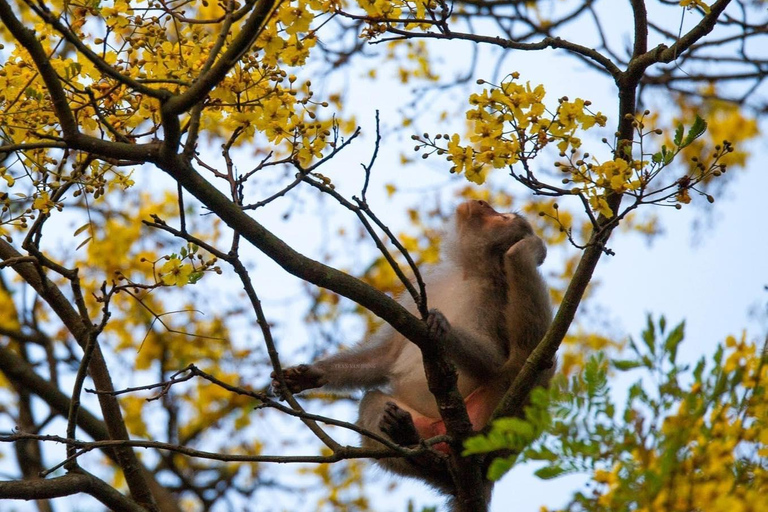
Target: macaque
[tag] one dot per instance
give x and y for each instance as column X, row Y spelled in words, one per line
column 491, row 309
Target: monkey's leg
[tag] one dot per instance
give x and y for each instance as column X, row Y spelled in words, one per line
column 381, row 413
column 398, row 424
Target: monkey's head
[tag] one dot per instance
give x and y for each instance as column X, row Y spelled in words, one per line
column 484, row 235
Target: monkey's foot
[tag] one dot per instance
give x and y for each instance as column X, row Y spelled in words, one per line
column 398, row 425
column 298, row 378
column 437, row 324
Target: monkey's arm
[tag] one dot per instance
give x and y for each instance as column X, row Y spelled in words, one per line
column 529, row 311
column 364, row 366
column 473, row 352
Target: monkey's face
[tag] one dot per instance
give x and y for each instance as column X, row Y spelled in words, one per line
column 486, row 232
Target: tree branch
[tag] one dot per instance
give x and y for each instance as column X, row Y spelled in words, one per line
column 72, row 483
column 640, row 16
column 704, row 27
column 32, row 275
column 441, row 375
column 547, row 42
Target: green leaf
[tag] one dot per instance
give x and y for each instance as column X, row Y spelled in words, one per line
column 72, row 70
column 500, row 466
column 665, row 156
column 84, row 242
column 697, row 372
column 82, row 228
column 697, row 129
column 624, row 365
column 678, row 140
column 477, row 444
column 718, row 357
column 33, row 93
column 542, row 453
column 549, row 472
column 649, row 336
column 673, row 341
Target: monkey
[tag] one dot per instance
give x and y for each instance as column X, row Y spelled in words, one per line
column 490, row 307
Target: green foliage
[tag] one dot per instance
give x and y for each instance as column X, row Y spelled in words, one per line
column 665, row 156
column 682, row 433
column 697, row 129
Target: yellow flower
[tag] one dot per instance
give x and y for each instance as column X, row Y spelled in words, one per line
column 616, row 174
column 602, row 476
column 600, row 205
column 173, row 272
column 691, row 3
column 43, row 203
column 683, row 196
column 296, row 18
column 461, row 157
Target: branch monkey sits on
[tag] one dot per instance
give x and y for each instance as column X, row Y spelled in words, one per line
column 491, row 309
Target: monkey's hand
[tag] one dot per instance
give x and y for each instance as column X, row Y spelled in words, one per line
column 437, row 324
column 299, row 378
column 528, row 251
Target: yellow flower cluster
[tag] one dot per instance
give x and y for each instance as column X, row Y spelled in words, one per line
column 598, row 179
column 257, row 96
column 510, row 122
column 715, row 448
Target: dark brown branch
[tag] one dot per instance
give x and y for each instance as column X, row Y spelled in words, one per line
column 28, row 146
column 628, row 83
column 73, row 483
column 342, row 453
column 70, row 130
column 548, row 42
column 361, row 210
column 194, row 123
column 18, row 371
column 27, row 38
column 295, row 408
column 641, row 27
